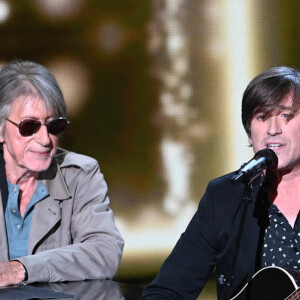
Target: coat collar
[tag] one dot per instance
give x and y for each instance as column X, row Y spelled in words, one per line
column 54, row 181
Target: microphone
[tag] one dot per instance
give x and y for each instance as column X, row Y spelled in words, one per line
column 254, row 167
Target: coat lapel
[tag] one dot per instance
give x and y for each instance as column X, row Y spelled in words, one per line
column 48, row 211
column 46, row 214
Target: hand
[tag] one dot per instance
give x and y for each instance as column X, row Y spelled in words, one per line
column 11, row 273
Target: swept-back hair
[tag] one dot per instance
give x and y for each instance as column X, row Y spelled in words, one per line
column 29, row 79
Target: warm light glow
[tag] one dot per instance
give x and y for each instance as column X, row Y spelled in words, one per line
column 4, row 11
column 59, row 8
column 73, row 79
column 110, row 36
column 152, row 232
column 239, row 69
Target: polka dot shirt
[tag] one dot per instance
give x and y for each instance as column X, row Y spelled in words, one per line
column 281, row 242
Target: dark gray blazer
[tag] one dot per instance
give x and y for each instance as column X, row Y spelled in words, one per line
column 209, row 242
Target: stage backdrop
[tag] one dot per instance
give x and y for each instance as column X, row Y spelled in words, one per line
column 153, row 90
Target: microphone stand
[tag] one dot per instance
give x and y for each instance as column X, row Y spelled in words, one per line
column 248, row 197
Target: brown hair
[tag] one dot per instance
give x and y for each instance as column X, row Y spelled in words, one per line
column 267, row 93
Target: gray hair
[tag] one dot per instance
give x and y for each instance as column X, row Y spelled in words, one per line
column 27, row 78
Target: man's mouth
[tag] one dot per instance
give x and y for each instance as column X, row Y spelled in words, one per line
column 274, row 146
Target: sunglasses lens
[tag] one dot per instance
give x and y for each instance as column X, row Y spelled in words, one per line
column 29, row 127
column 57, row 126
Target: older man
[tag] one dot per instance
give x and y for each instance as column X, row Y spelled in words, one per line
column 55, row 220
column 243, row 226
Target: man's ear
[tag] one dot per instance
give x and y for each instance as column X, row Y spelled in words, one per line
column 249, row 139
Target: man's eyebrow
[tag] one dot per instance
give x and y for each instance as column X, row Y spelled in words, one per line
column 283, row 107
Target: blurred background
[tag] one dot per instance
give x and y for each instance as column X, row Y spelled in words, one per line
column 153, row 90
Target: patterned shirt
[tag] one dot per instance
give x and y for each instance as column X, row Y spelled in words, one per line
column 281, row 242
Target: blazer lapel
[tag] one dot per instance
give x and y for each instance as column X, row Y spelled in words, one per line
column 255, row 228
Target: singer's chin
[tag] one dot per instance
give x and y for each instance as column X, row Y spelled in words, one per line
column 277, row 173
column 287, row 169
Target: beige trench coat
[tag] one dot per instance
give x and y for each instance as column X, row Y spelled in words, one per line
column 73, row 234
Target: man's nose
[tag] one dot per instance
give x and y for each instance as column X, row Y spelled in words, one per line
column 42, row 136
column 274, row 125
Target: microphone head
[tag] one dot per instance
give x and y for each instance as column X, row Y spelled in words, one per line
column 263, row 159
column 271, row 159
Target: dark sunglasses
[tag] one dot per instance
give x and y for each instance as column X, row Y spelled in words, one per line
column 28, row 127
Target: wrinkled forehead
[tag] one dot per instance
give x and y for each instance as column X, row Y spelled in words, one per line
column 34, row 106
column 34, row 103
